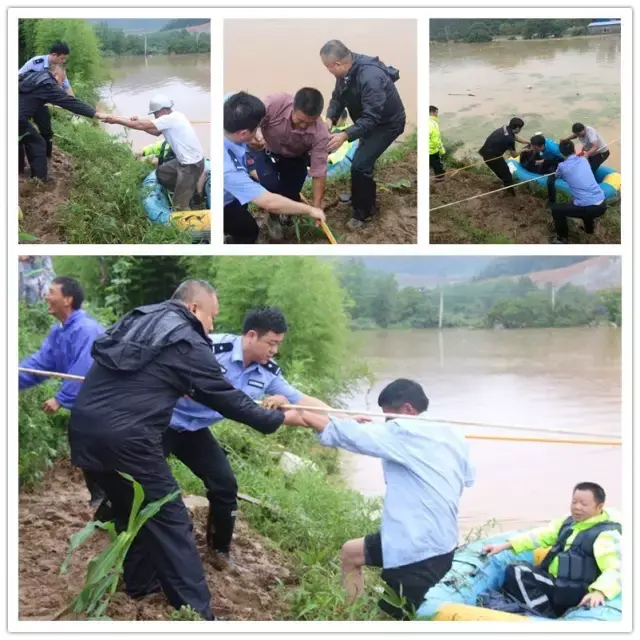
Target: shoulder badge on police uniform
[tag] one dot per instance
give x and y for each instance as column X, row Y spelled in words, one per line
column 38, row 61
column 272, row 367
column 223, row 347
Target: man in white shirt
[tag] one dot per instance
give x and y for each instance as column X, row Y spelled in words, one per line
column 182, row 173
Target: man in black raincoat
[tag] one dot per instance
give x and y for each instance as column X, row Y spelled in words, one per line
column 36, row 89
column 365, row 86
column 144, row 363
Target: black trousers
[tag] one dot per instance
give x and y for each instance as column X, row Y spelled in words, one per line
column 95, row 491
column 561, row 212
column 597, row 159
column 435, row 164
column 413, row 580
column 280, row 174
column 163, row 555
column 500, row 167
column 240, row 224
column 370, row 148
column 35, row 147
column 202, row 453
column 42, row 120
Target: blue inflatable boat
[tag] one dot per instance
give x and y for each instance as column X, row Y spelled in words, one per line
column 610, row 180
column 458, row 595
column 156, row 203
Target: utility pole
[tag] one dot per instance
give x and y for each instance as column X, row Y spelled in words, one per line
column 441, row 309
column 553, row 298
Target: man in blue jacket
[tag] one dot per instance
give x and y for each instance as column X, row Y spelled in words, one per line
column 366, row 87
column 547, row 152
column 66, row 349
column 426, row 468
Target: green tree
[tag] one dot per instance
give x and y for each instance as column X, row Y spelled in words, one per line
column 611, row 302
column 356, row 279
column 85, row 66
column 385, row 295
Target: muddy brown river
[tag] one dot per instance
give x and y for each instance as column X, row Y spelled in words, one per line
column 550, row 84
column 267, row 56
column 566, row 379
column 186, row 79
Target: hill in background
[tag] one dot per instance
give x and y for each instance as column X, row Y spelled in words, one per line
column 140, row 26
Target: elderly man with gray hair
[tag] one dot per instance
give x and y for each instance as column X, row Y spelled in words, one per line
column 365, row 86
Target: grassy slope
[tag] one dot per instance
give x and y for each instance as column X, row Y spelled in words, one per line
column 105, row 201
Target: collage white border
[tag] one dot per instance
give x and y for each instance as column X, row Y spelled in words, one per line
column 290, row 10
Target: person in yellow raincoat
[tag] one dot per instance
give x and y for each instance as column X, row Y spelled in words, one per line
column 583, row 563
column 436, row 148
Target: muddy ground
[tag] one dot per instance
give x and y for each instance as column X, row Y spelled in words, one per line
column 59, row 508
column 39, row 201
column 524, row 219
column 395, row 222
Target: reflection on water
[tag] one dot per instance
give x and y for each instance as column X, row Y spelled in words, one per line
column 548, row 378
column 186, row 79
column 288, row 59
column 570, row 80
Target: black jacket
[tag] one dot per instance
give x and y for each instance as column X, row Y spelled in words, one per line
column 38, row 88
column 142, row 365
column 370, row 95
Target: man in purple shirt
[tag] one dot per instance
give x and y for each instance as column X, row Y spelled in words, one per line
column 292, row 137
column 243, row 114
column 588, row 198
column 66, row 349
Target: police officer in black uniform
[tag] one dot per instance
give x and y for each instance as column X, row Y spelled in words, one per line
column 144, row 363
column 38, row 88
column 58, row 54
column 365, row 86
column 497, row 144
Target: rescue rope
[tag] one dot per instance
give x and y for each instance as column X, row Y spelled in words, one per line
column 384, row 416
column 511, row 186
column 477, row 164
column 348, row 412
column 323, row 224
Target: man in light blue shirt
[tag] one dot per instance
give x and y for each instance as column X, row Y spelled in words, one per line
column 58, row 54
column 426, row 468
column 247, row 363
column 243, row 114
column 588, row 198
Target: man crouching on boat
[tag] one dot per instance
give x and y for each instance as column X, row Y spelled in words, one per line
column 582, row 567
column 183, row 174
column 426, row 467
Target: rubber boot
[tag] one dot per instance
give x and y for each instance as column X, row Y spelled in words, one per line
column 220, row 524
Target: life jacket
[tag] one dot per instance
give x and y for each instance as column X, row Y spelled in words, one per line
column 340, row 154
column 577, row 565
column 161, row 149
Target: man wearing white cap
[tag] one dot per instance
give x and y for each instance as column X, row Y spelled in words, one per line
column 181, row 174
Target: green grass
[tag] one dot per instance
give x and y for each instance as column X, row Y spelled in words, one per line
column 308, row 516
column 105, row 203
